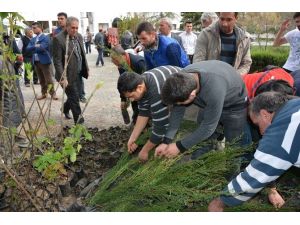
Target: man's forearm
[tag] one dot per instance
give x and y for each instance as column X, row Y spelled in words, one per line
column 278, row 38
column 148, row 146
column 140, row 125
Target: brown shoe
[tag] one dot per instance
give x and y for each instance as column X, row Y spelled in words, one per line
column 54, row 97
column 41, row 97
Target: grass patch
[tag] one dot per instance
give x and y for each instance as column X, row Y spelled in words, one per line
column 162, row 185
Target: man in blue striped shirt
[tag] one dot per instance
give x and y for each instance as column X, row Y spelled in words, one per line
column 278, row 119
column 146, row 90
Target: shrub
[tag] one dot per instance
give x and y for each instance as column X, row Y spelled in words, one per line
column 271, row 56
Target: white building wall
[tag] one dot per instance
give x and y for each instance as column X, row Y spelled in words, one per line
column 100, row 17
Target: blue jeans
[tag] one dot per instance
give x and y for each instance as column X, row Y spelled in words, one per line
column 296, row 76
column 100, row 57
column 234, row 126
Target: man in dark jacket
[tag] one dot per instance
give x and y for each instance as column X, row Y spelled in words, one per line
column 99, row 43
column 77, row 66
column 165, row 27
column 39, row 46
column 27, row 55
column 128, row 62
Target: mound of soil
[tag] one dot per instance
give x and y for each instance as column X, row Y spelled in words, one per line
column 68, row 192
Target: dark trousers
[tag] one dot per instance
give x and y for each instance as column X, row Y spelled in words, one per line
column 191, row 58
column 100, row 56
column 80, row 86
column 35, row 76
column 45, row 76
column 87, row 47
column 72, row 102
column 296, row 76
column 13, row 105
column 233, row 122
column 135, row 109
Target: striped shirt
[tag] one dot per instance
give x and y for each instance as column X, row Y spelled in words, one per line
column 228, row 48
column 278, row 150
column 151, row 104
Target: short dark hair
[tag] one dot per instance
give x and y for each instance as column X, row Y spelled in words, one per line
column 178, row 88
column 296, row 15
column 145, row 26
column 235, row 14
column 62, row 14
column 281, row 86
column 128, row 82
column 188, row 22
column 270, row 101
column 37, row 24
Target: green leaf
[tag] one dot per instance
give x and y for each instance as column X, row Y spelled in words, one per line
column 51, row 122
column 73, row 157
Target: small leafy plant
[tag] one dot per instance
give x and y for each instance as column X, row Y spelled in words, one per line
column 50, row 164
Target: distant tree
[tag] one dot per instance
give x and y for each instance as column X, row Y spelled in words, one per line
column 261, row 23
column 194, row 17
column 131, row 20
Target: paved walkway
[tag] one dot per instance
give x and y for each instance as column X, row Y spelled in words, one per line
column 103, row 110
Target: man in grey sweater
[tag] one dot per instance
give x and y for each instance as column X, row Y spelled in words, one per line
column 214, row 86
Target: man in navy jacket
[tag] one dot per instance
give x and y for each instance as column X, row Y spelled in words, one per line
column 160, row 50
column 39, row 46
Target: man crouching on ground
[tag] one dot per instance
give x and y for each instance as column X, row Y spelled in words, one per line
column 146, row 90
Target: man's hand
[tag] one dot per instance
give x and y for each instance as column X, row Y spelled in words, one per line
column 171, row 151
column 275, row 198
column 285, row 25
column 216, row 205
column 64, row 83
column 143, row 155
column 159, row 151
column 131, row 145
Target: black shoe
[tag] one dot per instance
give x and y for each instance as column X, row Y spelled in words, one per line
column 83, row 100
column 80, row 121
column 68, row 116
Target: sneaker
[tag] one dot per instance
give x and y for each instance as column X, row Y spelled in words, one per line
column 83, row 100
column 68, row 116
column 80, row 121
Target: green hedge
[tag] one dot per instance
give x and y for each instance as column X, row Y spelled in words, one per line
column 262, row 57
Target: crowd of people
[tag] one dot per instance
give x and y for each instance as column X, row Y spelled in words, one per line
column 166, row 73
